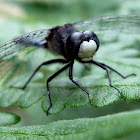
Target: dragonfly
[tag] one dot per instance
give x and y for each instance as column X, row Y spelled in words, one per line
column 73, row 41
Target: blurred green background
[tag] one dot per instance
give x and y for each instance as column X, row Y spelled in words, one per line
column 23, row 16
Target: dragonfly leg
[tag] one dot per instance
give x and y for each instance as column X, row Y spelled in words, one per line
column 37, row 69
column 103, row 67
column 71, row 78
column 124, row 77
column 47, row 85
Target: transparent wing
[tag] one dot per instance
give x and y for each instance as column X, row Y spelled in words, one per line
column 18, row 57
column 10, row 47
column 126, row 24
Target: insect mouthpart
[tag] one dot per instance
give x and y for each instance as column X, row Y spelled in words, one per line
column 87, row 50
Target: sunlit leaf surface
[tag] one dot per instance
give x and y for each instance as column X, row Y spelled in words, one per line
column 107, row 127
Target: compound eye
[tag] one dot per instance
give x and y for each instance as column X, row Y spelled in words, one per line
column 89, row 33
column 92, row 36
column 72, row 44
column 76, row 36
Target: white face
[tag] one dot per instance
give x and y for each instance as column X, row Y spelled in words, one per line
column 87, row 50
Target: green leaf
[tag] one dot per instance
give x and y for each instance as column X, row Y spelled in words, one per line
column 63, row 91
column 101, row 94
column 8, row 119
column 102, row 128
column 31, row 96
column 116, row 51
column 9, row 97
